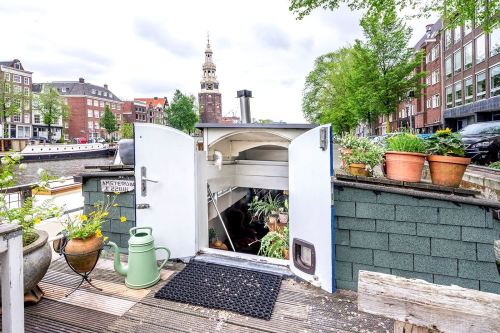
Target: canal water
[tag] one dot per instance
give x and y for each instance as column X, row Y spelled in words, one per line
column 61, row 168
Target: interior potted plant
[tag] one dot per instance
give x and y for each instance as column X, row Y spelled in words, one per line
column 214, row 241
column 405, row 157
column 446, row 159
column 275, row 244
column 268, row 208
column 283, row 212
column 84, row 236
column 37, row 254
column 364, row 158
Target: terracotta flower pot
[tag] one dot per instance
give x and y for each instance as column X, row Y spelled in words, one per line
column 358, row 169
column 344, row 152
column 286, row 254
column 82, row 254
column 447, row 170
column 283, row 218
column 404, row 166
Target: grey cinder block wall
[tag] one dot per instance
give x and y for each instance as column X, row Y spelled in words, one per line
column 117, row 231
column 442, row 239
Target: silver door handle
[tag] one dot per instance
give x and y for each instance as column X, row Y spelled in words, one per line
column 144, row 180
column 149, row 180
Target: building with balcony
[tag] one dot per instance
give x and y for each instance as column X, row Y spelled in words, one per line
column 16, row 88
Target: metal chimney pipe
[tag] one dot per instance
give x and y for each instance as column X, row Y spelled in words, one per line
column 244, row 96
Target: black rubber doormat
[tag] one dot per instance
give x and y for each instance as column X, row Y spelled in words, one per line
column 214, row 286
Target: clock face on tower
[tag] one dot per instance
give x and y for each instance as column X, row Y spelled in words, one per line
column 210, row 86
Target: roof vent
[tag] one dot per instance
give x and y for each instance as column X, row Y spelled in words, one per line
column 81, row 80
column 244, row 96
column 105, row 86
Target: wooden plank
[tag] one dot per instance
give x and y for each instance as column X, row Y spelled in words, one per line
column 85, row 299
column 400, row 327
column 445, row 308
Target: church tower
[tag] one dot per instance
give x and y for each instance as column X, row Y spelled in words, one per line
column 209, row 97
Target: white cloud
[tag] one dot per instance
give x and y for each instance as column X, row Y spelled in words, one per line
column 150, row 48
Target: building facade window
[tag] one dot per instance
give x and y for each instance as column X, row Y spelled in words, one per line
column 26, row 80
column 91, row 124
column 428, row 103
column 16, row 78
column 435, row 52
column 93, row 91
column 436, row 101
column 89, row 113
column 16, row 118
column 36, row 119
column 448, row 67
column 468, row 56
column 428, row 80
column 96, row 102
column 96, row 114
column 449, row 96
column 17, row 89
column 7, row 88
column 435, row 76
column 26, row 118
column 480, row 86
column 27, row 105
column 447, row 39
column 457, row 61
column 468, row 90
column 89, row 102
column 480, row 49
column 6, row 76
column 101, row 104
column 26, row 91
column 495, row 42
column 428, row 58
column 495, row 80
column 97, row 126
column 458, row 93
column 457, row 32
column 467, row 28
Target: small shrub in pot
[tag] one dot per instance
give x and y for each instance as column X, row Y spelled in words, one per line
column 405, row 157
column 364, row 158
column 446, row 159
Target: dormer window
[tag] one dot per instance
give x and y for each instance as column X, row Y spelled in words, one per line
column 105, row 94
column 93, row 91
column 17, row 65
column 99, row 92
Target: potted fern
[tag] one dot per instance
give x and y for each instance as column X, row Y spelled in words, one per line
column 446, row 159
column 405, row 157
column 275, row 244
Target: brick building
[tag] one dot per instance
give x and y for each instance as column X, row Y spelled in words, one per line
column 209, row 99
column 40, row 129
column 155, row 110
column 18, row 81
column 135, row 111
column 86, row 102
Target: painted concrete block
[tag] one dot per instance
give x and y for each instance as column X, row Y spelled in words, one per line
column 489, row 287
column 345, row 208
column 417, row 214
column 409, row 244
column 452, row 280
column 439, row 231
column 356, row 255
column 412, row 275
column 436, row 265
column 360, row 267
column 469, row 216
column 343, row 270
column 341, row 237
column 90, row 185
column 439, row 203
column 480, row 235
column 393, row 198
column 485, row 252
column 126, row 200
column 374, row 211
column 370, row 240
column 453, row 249
column 352, row 223
column 96, row 197
column 397, row 260
column 357, row 195
column 346, row 285
column 396, row 227
column 486, row 271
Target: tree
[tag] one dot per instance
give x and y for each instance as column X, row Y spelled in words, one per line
column 181, row 114
column 127, row 131
column 11, row 102
column 51, row 107
column 108, row 121
column 453, row 12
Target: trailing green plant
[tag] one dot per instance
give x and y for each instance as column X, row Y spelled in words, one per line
column 445, row 143
column 274, row 243
column 368, row 154
column 494, row 165
column 406, row 142
column 265, row 206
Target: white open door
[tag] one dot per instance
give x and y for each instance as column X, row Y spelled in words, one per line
column 165, row 180
column 311, row 210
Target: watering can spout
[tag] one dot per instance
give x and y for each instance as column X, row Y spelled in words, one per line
column 120, row 268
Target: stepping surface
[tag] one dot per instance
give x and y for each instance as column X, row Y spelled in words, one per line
column 214, row 286
column 299, row 308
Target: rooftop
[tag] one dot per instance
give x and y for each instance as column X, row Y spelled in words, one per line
column 254, row 125
column 82, row 88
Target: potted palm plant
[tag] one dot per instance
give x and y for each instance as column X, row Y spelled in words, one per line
column 405, row 157
column 446, row 159
column 364, row 158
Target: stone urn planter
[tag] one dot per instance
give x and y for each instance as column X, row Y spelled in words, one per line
column 36, row 260
column 447, row 170
column 82, row 254
column 404, row 166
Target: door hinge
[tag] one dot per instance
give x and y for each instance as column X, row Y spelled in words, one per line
column 323, row 138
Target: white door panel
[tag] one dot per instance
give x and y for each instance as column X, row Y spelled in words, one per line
column 310, row 225
column 169, row 158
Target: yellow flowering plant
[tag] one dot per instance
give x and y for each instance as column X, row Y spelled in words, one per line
column 87, row 225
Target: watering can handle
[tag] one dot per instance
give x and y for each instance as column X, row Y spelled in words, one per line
column 138, row 228
column 168, row 255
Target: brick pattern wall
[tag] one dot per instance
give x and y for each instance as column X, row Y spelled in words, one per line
column 117, row 231
column 438, row 241
column 210, row 107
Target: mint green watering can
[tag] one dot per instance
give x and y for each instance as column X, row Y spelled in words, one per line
column 142, row 270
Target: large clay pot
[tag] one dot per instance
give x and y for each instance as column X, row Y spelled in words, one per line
column 404, row 166
column 36, row 260
column 82, row 254
column 358, row 169
column 447, row 170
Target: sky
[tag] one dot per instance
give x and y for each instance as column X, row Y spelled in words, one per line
column 151, row 48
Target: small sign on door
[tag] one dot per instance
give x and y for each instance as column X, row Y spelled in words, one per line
column 117, row 185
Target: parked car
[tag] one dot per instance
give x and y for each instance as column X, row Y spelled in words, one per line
column 482, row 141
column 79, row 140
column 96, row 140
column 39, row 139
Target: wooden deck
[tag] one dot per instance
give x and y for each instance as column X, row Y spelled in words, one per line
column 299, row 308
